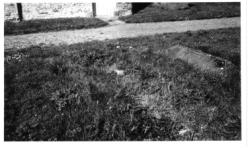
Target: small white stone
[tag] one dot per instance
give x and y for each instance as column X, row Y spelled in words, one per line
column 119, row 72
column 183, row 131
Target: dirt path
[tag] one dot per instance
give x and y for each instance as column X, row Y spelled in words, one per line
column 116, row 31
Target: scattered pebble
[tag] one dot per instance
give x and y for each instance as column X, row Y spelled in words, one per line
column 119, row 72
column 114, row 68
column 183, row 131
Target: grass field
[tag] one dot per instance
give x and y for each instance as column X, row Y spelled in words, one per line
column 46, row 25
column 68, row 93
column 196, row 11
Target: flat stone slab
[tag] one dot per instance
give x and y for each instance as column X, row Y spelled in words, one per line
column 197, row 58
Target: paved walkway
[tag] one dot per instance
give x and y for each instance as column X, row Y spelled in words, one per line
column 116, row 31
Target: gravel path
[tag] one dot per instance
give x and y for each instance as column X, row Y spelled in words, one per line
column 116, row 31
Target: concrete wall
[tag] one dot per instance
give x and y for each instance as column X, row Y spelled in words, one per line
column 123, row 9
column 48, row 10
column 105, row 9
column 10, row 11
column 64, row 10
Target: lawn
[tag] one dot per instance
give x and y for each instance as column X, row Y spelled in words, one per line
column 46, row 25
column 196, row 11
column 68, row 92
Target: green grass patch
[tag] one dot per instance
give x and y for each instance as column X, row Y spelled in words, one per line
column 196, row 11
column 46, row 25
column 67, row 93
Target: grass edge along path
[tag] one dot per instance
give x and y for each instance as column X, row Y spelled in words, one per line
column 46, row 25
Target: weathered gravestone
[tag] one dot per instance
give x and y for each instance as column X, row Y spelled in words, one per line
column 199, row 59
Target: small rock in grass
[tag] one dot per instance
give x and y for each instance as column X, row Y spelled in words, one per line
column 114, row 68
column 184, row 131
column 119, row 72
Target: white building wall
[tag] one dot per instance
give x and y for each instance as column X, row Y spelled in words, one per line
column 65, row 10
column 105, row 9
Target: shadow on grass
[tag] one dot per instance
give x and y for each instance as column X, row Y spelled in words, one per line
column 46, row 25
column 196, row 11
